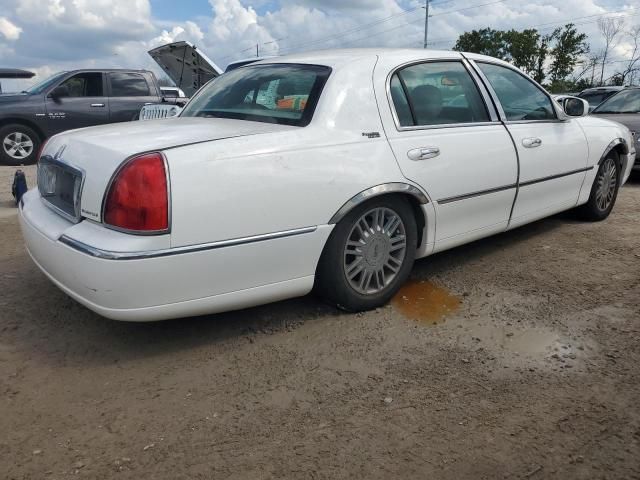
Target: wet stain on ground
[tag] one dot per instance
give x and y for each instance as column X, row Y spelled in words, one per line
column 425, row 302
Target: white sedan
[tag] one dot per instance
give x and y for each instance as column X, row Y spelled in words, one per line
column 334, row 169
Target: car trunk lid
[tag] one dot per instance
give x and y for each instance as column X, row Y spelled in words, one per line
column 95, row 154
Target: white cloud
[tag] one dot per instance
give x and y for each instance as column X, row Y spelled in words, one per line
column 9, row 30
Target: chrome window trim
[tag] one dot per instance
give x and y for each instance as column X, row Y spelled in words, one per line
column 113, row 255
column 395, row 187
column 77, row 171
column 108, row 189
column 560, row 115
column 447, row 125
column 486, row 100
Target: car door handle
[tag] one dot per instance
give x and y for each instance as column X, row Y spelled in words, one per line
column 531, row 142
column 423, row 153
column 97, row 104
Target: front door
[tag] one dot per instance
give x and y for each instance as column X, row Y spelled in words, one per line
column 83, row 103
column 449, row 141
column 553, row 152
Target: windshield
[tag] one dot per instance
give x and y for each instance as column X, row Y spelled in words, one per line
column 627, row 101
column 278, row 93
column 595, row 98
column 46, row 83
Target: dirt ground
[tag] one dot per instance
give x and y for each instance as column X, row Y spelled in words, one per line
column 533, row 373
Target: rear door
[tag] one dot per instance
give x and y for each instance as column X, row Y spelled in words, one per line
column 447, row 138
column 552, row 149
column 128, row 93
column 84, row 104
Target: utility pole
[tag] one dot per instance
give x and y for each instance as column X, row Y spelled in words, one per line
column 257, row 49
column 426, row 22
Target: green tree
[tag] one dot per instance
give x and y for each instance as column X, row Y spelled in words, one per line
column 486, row 42
column 523, row 48
column 569, row 47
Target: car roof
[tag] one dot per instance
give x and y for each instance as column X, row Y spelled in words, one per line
column 602, row 89
column 108, row 70
column 336, row 57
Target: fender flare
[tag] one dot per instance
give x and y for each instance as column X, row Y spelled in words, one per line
column 614, row 143
column 376, row 191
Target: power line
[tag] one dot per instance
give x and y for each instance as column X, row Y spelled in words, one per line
column 357, row 28
column 365, row 26
column 566, row 21
column 396, row 27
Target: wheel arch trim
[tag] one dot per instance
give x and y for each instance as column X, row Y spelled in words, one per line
column 376, row 191
column 25, row 123
column 615, row 143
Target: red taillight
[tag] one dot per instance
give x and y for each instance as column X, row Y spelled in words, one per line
column 138, row 198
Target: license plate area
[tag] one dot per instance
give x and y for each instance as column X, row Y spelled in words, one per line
column 60, row 185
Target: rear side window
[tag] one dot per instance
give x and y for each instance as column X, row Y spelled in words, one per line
column 520, row 98
column 84, row 85
column 436, row 93
column 128, row 85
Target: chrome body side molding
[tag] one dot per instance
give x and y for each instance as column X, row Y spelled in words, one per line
column 110, row 255
column 465, row 196
column 519, row 185
column 377, row 191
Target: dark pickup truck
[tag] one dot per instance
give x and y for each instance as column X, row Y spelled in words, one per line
column 68, row 100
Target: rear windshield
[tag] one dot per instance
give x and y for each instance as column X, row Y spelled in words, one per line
column 278, row 93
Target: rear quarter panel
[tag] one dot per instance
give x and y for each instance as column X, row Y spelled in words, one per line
column 291, row 179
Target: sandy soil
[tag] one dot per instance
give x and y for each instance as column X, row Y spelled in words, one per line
column 532, row 373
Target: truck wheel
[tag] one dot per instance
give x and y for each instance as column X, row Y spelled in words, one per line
column 19, row 145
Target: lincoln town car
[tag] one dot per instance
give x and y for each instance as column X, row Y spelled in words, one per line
column 330, row 171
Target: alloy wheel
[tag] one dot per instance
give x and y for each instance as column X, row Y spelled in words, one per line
column 17, row 145
column 375, row 250
column 606, row 186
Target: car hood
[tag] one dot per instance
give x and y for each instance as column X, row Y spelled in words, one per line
column 630, row 120
column 187, row 66
column 99, row 151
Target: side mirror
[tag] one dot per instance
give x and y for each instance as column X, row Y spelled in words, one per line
column 59, row 92
column 575, row 107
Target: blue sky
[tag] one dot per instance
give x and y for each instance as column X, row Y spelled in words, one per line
column 172, row 10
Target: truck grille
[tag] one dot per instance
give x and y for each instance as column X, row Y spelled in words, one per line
column 60, row 185
column 156, row 112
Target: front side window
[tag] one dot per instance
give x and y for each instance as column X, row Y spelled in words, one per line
column 128, row 85
column 520, row 98
column 436, row 93
column 627, row 101
column 46, row 83
column 84, row 85
column 278, row 93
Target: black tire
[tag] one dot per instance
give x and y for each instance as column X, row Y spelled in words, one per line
column 596, row 210
column 30, row 140
column 331, row 278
